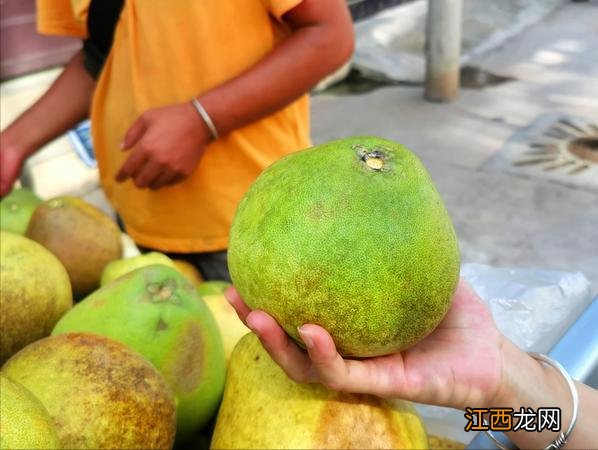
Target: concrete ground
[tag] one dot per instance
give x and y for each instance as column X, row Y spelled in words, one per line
column 501, row 218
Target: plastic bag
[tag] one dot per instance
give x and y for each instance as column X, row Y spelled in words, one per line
column 532, row 307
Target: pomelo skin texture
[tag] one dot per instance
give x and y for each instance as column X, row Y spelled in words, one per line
column 156, row 311
column 99, row 393
column 24, row 421
column 35, row 292
column 350, row 235
column 263, row 408
column 120, row 267
column 81, row 236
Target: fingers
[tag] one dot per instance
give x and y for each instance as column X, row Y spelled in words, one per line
column 293, row 361
column 132, row 166
column 277, row 343
column 327, row 362
column 322, row 363
column 5, row 185
column 237, row 302
column 150, row 173
column 5, row 188
column 10, row 168
column 134, row 133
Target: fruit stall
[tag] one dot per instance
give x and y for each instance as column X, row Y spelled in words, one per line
column 103, row 346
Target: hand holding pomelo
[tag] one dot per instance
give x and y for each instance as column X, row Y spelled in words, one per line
column 353, row 236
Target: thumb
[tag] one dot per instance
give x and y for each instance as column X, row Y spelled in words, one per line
column 134, row 133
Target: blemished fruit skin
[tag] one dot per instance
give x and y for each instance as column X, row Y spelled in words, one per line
column 99, row 393
column 35, row 292
column 350, row 235
column 24, row 421
column 120, row 267
column 16, row 210
column 157, row 312
column 81, row 236
column 263, row 408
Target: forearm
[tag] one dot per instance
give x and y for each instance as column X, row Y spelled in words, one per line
column 64, row 104
column 529, row 383
column 289, row 71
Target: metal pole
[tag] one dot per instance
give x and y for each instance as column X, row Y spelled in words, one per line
column 443, row 49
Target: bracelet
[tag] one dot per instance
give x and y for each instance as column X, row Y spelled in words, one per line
column 561, row 440
column 206, row 118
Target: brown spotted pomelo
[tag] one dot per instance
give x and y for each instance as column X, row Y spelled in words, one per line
column 157, row 311
column 99, row 393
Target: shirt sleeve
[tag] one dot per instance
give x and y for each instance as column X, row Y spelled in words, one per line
column 278, row 8
column 102, row 18
column 62, row 17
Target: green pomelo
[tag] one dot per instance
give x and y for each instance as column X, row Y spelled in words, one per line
column 213, row 287
column 34, row 292
column 99, row 393
column 120, row 267
column 16, row 210
column 157, row 312
column 24, row 421
column 353, row 236
column 263, row 408
column 81, row 236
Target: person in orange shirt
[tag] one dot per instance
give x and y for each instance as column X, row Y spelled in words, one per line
column 192, row 101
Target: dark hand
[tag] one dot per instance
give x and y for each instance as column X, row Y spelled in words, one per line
column 11, row 164
column 458, row 365
column 168, row 144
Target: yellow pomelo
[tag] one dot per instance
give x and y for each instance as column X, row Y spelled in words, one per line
column 34, row 292
column 99, row 393
column 230, row 326
column 263, row 408
column 24, row 421
column 189, row 270
column 350, row 235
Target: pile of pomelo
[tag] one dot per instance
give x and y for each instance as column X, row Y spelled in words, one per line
column 103, row 351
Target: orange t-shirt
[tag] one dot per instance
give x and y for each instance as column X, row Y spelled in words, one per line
column 166, row 52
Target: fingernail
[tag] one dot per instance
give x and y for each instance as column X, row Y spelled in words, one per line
column 306, row 338
column 122, row 145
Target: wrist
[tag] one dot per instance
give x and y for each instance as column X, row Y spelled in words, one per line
column 521, row 377
column 17, row 144
column 205, row 118
column 528, row 383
